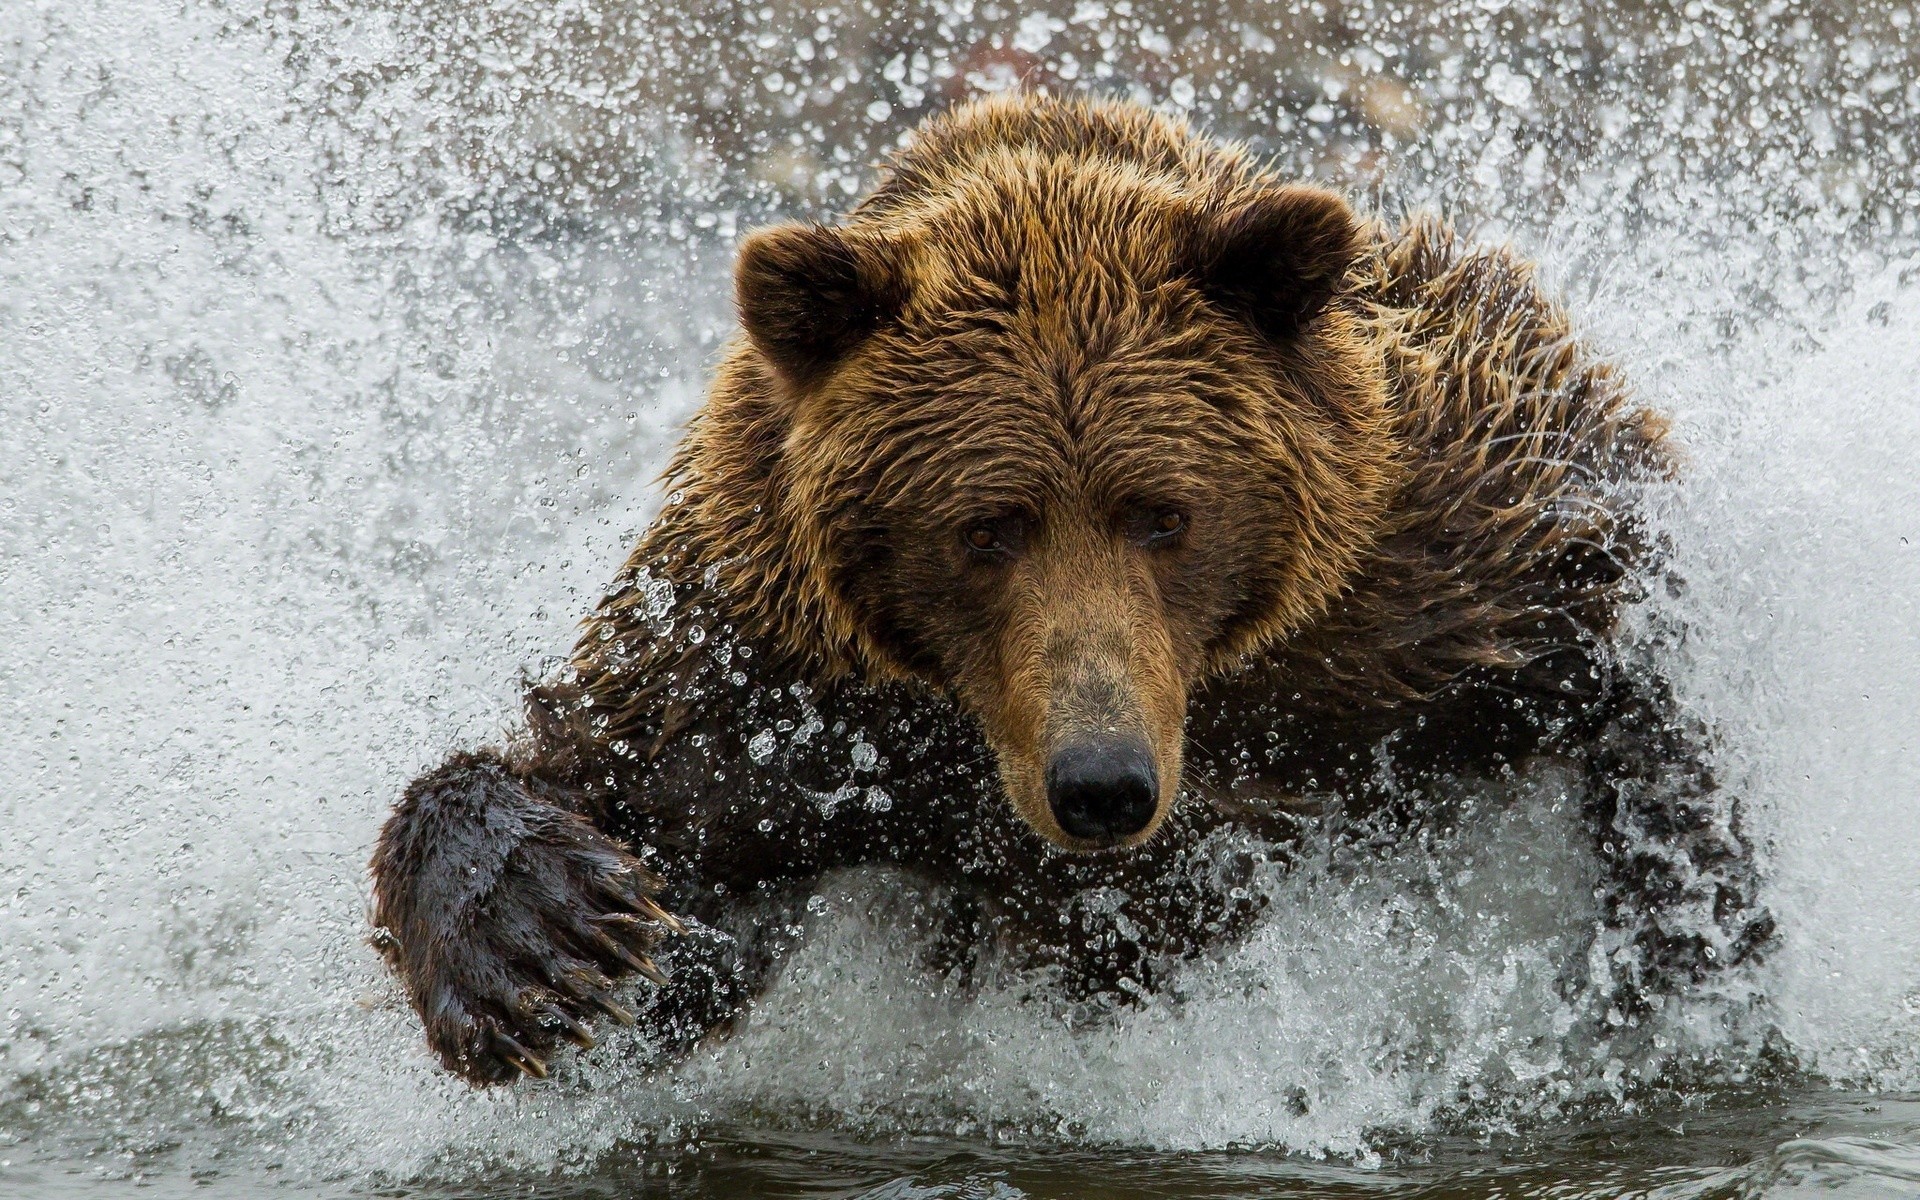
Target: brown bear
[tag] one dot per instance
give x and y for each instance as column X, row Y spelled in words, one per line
column 1087, row 515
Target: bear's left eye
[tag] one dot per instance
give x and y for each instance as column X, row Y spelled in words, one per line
column 994, row 537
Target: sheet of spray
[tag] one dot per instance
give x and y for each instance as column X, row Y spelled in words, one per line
column 337, row 353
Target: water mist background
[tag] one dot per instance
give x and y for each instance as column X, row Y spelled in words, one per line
column 339, row 345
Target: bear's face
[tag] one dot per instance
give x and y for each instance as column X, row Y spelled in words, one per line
column 1067, row 462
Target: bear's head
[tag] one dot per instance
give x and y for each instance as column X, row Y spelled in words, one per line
column 1065, row 438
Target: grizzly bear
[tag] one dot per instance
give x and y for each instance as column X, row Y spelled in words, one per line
column 1080, row 521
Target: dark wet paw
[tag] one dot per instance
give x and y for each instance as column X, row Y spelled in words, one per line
column 510, row 921
column 570, row 915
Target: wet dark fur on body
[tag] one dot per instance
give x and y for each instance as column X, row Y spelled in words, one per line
column 1080, row 423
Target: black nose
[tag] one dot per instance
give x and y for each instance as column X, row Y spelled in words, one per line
column 1102, row 789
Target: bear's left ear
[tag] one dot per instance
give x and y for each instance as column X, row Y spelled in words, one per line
column 808, row 294
column 1276, row 259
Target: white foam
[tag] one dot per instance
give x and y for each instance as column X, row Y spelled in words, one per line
column 1802, row 540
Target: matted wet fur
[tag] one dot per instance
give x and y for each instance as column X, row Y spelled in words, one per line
column 1088, row 489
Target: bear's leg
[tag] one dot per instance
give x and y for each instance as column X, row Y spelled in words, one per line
column 1680, row 895
column 723, row 958
column 959, row 940
column 507, row 916
column 1109, row 930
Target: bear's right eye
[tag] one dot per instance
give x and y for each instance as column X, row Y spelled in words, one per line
column 998, row 537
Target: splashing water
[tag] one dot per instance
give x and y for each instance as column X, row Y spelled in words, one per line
column 339, row 345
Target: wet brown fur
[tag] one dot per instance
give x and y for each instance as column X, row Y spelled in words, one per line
column 1407, row 490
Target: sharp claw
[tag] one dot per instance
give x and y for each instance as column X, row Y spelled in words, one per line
column 577, row 980
column 645, row 913
column 519, row 1056
column 648, row 909
column 570, row 1029
column 614, row 929
column 653, row 912
column 610, row 1009
column 633, row 961
column 625, row 922
column 528, row 1066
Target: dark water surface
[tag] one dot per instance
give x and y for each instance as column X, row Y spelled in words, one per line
column 1826, row 1143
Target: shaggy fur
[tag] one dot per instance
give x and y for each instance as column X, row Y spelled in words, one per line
column 1080, row 425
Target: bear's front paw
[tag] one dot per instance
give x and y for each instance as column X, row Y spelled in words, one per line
column 514, row 941
column 566, row 919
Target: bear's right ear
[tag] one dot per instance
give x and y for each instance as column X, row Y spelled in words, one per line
column 808, row 294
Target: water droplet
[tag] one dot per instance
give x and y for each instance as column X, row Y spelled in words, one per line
column 760, row 748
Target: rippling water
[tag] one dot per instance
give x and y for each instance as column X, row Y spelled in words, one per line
column 1728, row 1148
column 338, row 347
